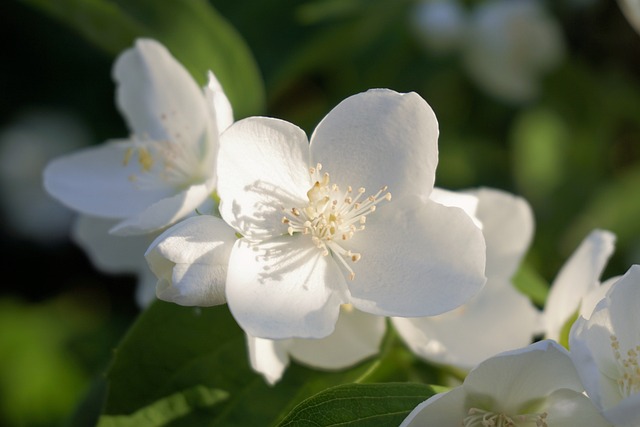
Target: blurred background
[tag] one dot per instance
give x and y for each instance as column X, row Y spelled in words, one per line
column 539, row 98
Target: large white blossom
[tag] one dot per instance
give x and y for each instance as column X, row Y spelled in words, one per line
column 536, row 386
column 463, row 337
column 166, row 168
column 605, row 348
column 357, row 336
column 577, row 288
column 319, row 227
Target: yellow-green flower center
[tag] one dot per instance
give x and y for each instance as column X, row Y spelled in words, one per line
column 628, row 368
column 333, row 216
column 482, row 418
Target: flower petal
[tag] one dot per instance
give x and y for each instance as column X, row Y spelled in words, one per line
column 158, row 96
column 284, row 288
column 579, row 275
column 166, row 211
column 268, row 357
column 379, row 138
column 525, row 375
column 460, row 337
column 190, row 260
column 419, row 258
column 95, row 181
column 569, row 408
column 111, row 254
column 507, row 225
column 262, row 168
column 442, row 410
column 218, row 103
column 357, row 336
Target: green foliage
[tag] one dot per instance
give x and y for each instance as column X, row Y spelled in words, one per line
column 173, row 354
column 196, row 34
column 359, row 405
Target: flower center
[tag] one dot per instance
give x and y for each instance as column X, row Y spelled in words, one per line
column 481, row 418
column 333, row 216
column 161, row 162
column 628, row 368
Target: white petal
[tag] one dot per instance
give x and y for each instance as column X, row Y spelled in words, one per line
column 419, row 258
column 466, row 202
column 357, row 336
column 579, row 275
column 146, row 287
column 111, row 254
column 268, row 357
column 626, row 414
column 507, row 225
column 463, row 337
column 284, row 288
column 95, row 181
column 441, row 410
column 593, row 297
column 379, row 138
column 568, row 408
column 190, row 260
column 525, row 375
column 165, row 212
column 262, row 168
column 623, row 308
column 219, row 103
column 158, row 96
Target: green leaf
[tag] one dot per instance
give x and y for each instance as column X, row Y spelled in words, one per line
column 195, row 33
column 168, row 409
column 359, row 405
column 171, row 348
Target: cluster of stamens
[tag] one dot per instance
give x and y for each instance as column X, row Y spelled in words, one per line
column 333, row 216
column 481, row 418
column 628, row 367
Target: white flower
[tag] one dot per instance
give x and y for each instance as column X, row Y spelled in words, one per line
column 463, row 337
column 510, row 44
column 577, row 288
column 26, row 145
column 166, row 169
column 357, row 336
column 116, row 254
column 536, row 386
column 320, row 229
column 605, row 348
column 631, row 10
column 440, row 24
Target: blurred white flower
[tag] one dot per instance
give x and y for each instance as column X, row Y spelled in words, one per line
column 536, row 386
column 631, row 10
column 605, row 348
column 577, row 288
column 26, row 146
column 510, row 45
column 166, row 169
column 463, row 337
column 314, row 238
column 440, row 24
column 116, row 254
column 357, row 336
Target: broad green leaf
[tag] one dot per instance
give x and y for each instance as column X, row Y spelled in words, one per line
column 165, row 410
column 195, row 33
column 172, row 348
column 359, row 405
